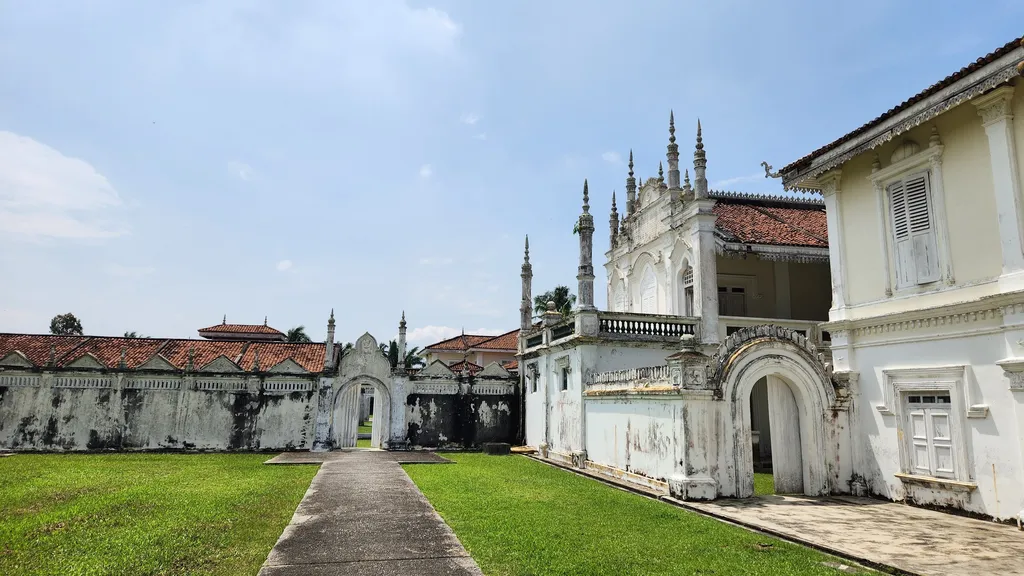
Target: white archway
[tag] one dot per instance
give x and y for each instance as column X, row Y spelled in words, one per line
column 648, row 291
column 789, row 367
column 345, row 413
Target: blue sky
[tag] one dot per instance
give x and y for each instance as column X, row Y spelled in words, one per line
column 165, row 163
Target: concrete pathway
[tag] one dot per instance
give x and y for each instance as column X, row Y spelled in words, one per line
column 912, row 539
column 362, row 515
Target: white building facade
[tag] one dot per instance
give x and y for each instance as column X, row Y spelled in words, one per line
column 927, row 319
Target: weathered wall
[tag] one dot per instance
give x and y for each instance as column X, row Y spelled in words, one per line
column 460, row 420
column 67, row 411
column 642, row 435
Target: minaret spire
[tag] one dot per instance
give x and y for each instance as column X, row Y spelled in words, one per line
column 329, row 345
column 700, row 188
column 630, row 188
column 526, row 307
column 613, row 224
column 673, row 153
column 401, row 344
column 585, row 277
column 661, row 172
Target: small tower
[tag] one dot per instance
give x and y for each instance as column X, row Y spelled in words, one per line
column 700, row 188
column 526, row 307
column 586, row 269
column 613, row 224
column 630, row 188
column 329, row 345
column 673, row 153
column 661, row 173
column 401, row 344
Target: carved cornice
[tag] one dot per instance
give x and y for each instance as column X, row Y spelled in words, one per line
column 995, row 105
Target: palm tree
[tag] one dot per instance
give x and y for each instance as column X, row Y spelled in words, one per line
column 563, row 299
column 413, row 358
column 298, row 334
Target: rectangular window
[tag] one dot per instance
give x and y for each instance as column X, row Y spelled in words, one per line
column 565, row 378
column 931, row 437
column 732, row 301
column 915, row 251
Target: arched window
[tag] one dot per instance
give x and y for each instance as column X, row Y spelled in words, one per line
column 618, row 297
column 687, row 292
column 649, row 292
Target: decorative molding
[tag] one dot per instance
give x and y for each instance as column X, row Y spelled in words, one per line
column 494, row 370
column 226, row 385
column 288, row 366
column 1013, row 368
column 20, row 380
column 435, row 388
column 995, row 106
column 87, row 360
column 808, row 200
column 152, row 383
column 959, row 92
column 493, row 389
column 158, row 362
column 951, row 378
column 83, row 382
column 16, row 359
column 288, row 386
column 437, row 369
column 221, row 364
column 940, row 483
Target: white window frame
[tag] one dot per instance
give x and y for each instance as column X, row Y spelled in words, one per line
column 952, row 380
column 562, row 366
column 648, row 271
column 929, row 160
column 745, row 281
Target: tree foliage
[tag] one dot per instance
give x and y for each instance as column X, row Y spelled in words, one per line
column 66, row 325
column 134, row 334
column 413, row 359
column 564, row 301
column 298, row 334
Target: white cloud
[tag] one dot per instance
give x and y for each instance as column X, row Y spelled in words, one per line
column 612, row 157
column 284, row 265
column 725, row 184
column 129, row 271
column 45, row 194
column 469, row 118
column 427, row 335
column 426, row 171
column 241, row 170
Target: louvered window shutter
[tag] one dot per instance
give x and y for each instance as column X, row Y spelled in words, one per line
column 914, row 241
column 903, row 246
column 922, row 232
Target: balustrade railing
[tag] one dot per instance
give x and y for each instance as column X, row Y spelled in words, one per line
column 652, row 325
column 631, row 378
column 806, row 328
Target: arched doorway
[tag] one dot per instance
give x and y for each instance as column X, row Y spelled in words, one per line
column 346, row 413
column 797, row 394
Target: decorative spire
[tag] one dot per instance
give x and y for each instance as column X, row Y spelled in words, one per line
column 401, row 344
column 191, row 364
column 121, row 363
column 613, row 223
column 673, row 153
column 526, row 306
column 586, row 198
column 585, row 225
column 256, row 361
column 661, row 172
column 687, row 180
column 700, row 188
column 329, row 345
column 225, row 320
column 630, row 188
column 52, row 359
column 264, row 320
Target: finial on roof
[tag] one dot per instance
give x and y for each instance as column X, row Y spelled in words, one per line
column 630, row 162
column 700, row 141
column 586, row 198
column 225, row 320
column 264, row 320
column 332, row 315
column 687, row 179
column 661, row 172
column 671, row 127
column 526, row 251
column 613, row 200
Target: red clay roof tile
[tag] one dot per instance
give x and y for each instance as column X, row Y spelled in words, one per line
column 754, row 224
column 506, row 341
column 242, row 329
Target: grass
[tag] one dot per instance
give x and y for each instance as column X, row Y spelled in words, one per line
column 365, row 429
column 363, row 443
column 143, row 513
column 517, row 516
column 764, row 483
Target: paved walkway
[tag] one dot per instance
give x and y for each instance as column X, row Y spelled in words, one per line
column 362, row 515
column 913, row 539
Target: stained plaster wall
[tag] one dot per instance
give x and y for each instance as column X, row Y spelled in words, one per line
column 642, row 435
column 993, row 442
column 461, row 419
column 50, row 418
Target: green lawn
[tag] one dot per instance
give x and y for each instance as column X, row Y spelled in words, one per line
column 517, row 516
column 764, row 483
column 362, row 443
column 365, row 429
column 143, row 513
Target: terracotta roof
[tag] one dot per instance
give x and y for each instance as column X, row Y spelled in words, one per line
column 506, row 341
column 457, row 366
column 36, row 347
column 460, row 343
column 510, row 365
column 273, row 353
column 752, row 223
column 934, row 88
column 242, row 329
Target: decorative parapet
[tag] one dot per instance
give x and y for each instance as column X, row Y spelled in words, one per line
column 19, row 380
column 626, row 326
column 646, row 380
column 491, row 389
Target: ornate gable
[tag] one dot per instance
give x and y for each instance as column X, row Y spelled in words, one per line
column 86, row 360
column 288, row 366
column 16, row 359
column 365, row 359
column 158, row 362
column 494, row 370
column 221, row 364
column 437, row 369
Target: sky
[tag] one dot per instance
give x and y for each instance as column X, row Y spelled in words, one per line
column 166, row 163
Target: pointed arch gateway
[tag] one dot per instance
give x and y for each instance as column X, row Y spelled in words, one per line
column 362, row 366
column 800, row 396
